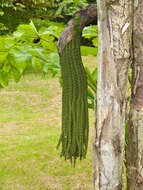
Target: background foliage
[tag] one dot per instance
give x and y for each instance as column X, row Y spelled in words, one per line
column 15, row 12
column 29, row 34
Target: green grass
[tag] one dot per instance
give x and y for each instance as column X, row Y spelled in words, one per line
column 30, row 121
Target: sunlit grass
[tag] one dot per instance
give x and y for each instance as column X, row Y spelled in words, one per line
column 30, row 120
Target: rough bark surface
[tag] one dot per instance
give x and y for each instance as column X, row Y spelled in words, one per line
column 86, row 15
column 114, row 58
column 135, row 139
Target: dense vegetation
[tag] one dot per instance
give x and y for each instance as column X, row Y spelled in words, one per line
column 30, row 41
column 15, row 12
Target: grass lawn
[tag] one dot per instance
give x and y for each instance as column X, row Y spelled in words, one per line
column 30, row 121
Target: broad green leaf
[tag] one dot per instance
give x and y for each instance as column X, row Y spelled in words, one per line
column 95, row 74
column 33, row 27
column 1, row 86
column 54, row 58
column 3, row 56
column 53, row 64
column 19, row 63
column 15, row 74
column 36, row 63
column 51, row 30
column 90, row 94
column 8, row 42
column 1, row 12
column 38, row 53
column 3, row 47
column 48, row 43
column 18, row 59
column 6, row 68
column 90, row 32
column 95, row 42
column 86, row 50
column 76, row 2
column 91, row 99
column 91, row 105
column 26, row 32
column 18, row 34
column 4, row 78
column 92, row 82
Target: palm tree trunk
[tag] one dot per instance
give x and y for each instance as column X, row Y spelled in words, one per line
column 114, row 58
column 135, row 132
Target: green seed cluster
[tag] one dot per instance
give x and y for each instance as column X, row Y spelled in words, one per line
column 75, row 125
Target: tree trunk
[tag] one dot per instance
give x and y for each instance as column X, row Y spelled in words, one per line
column 114, row 58
column 135, row 132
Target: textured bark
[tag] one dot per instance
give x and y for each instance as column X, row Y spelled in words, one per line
column 86, row 15
column 135, row 138
column 114, row 58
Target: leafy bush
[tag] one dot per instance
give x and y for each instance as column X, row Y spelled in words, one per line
column 15, row 12
column 28, row 47
column 68, row 7
column 34, row 46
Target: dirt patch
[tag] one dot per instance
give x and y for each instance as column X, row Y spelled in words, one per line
column 11, row 128
column 82, row 183
column 51, row 183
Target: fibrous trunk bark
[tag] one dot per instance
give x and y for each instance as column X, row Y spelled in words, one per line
column 114, row 58
column 135, row 132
